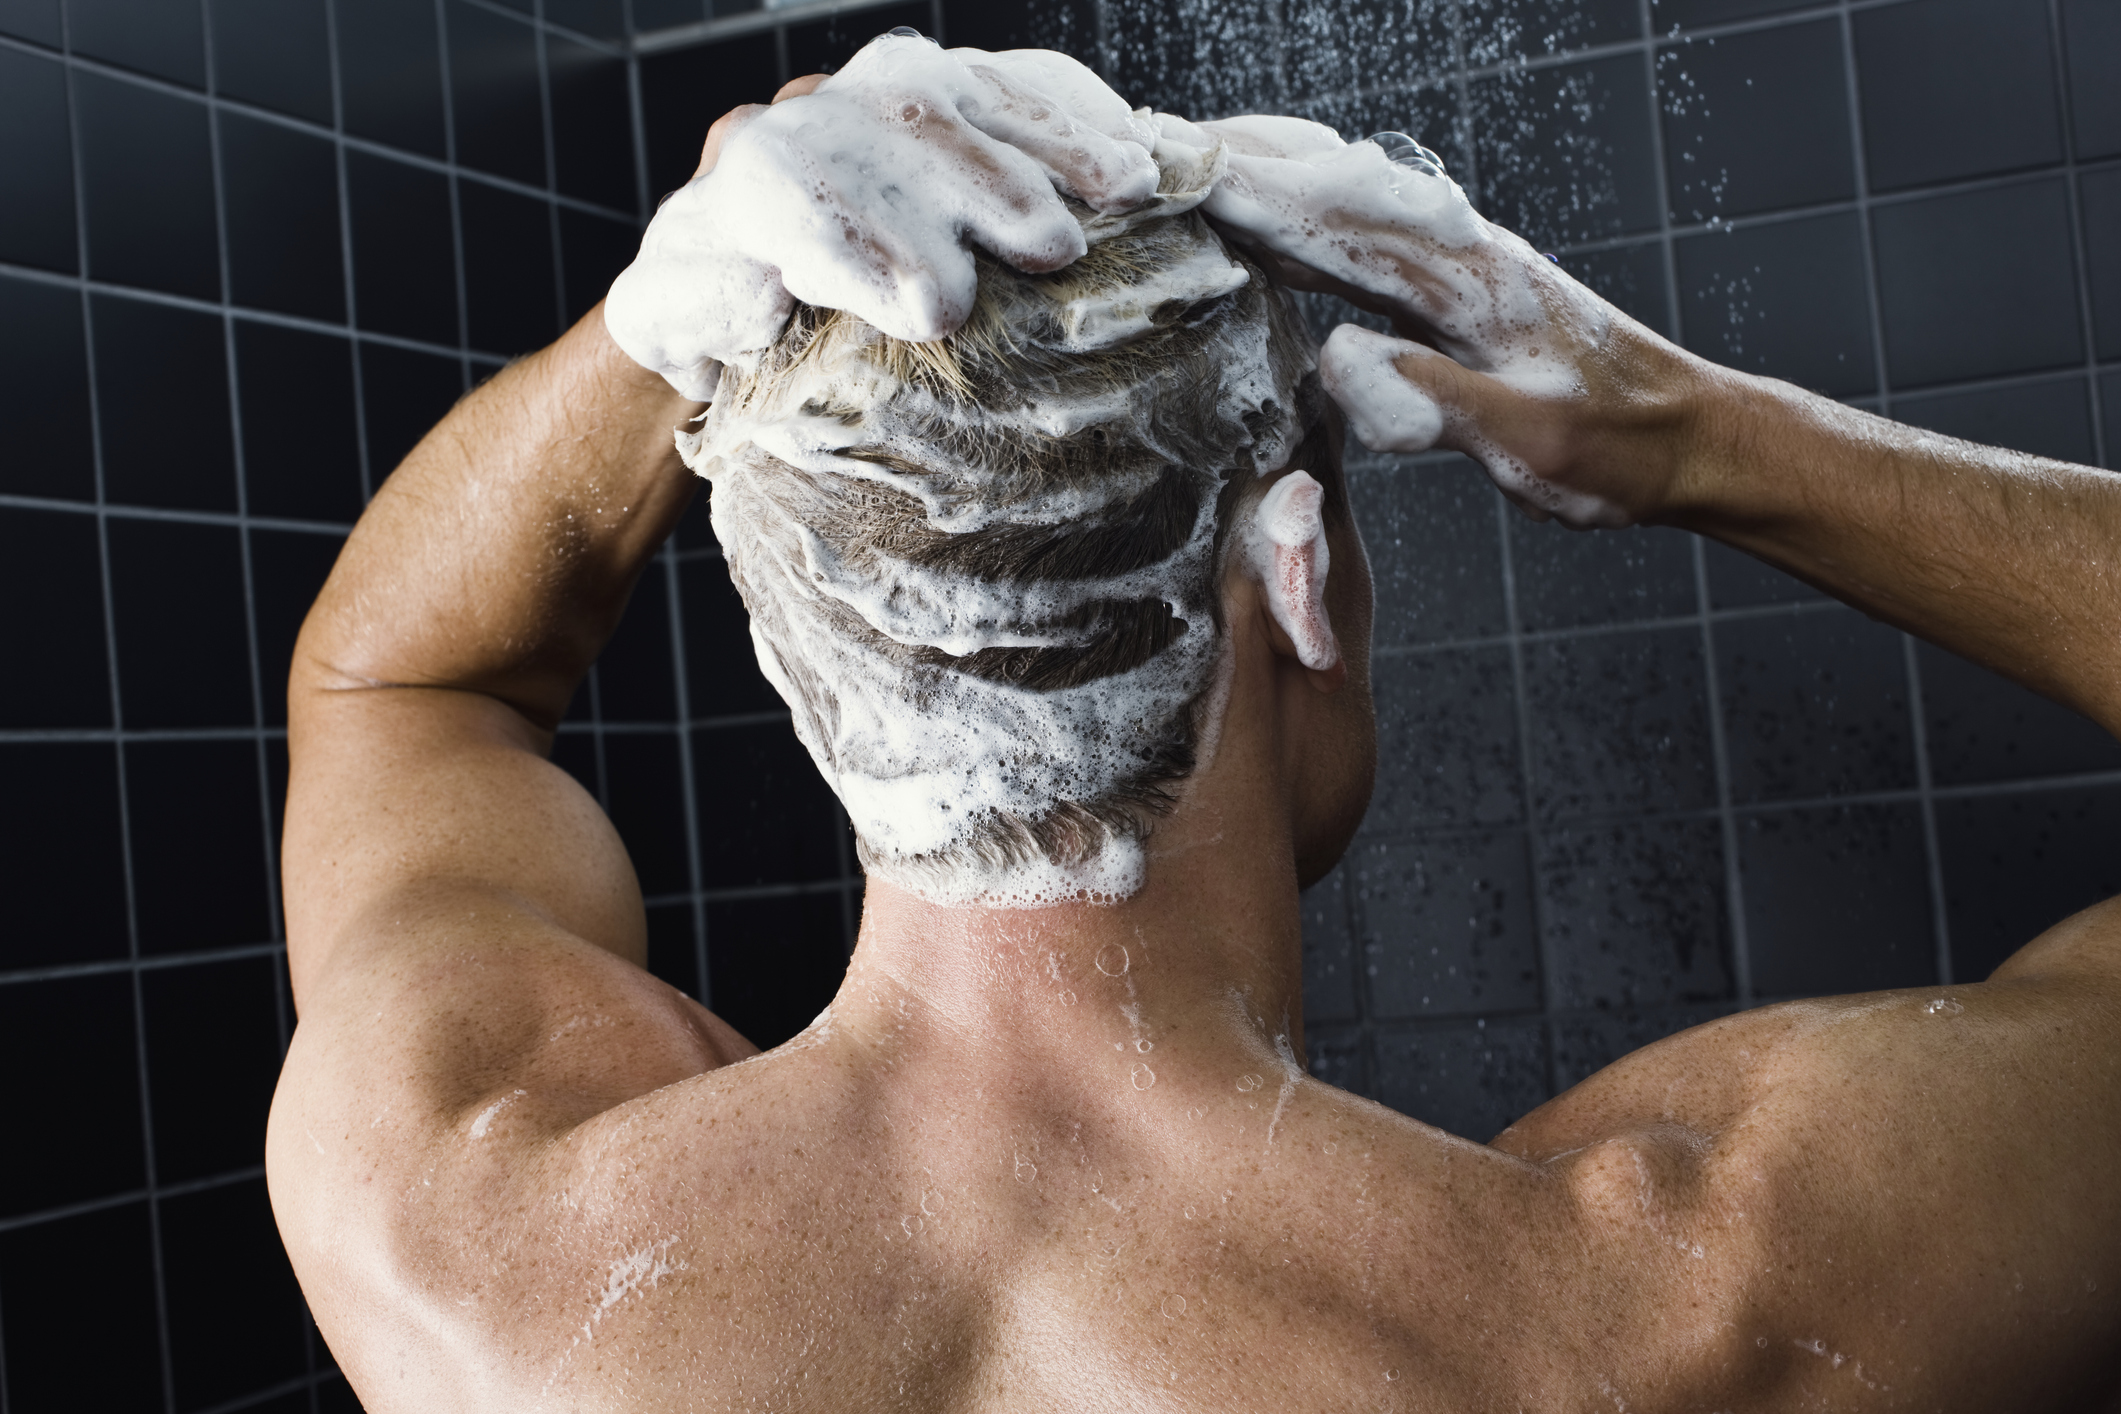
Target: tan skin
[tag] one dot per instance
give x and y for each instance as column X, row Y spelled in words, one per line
column 514, row 1171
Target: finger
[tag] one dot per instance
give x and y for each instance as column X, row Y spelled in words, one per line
column 1394, row 400
column 797, row 88
column 724, row 128
column 1107, row 170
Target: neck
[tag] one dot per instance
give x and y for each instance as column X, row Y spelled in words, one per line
column 1195, row 977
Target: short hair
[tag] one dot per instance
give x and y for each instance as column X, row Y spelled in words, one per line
column 984, row 572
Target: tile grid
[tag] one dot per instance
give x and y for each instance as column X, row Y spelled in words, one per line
column 2057, row 56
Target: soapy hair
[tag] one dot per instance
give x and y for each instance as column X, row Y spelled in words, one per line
column 984, row 572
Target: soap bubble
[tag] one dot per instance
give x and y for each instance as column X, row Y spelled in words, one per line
column 1406, row 152
column 1143, row 1046
column 1113, row 961
column 1143, row 1077
column 1067, row 999
column 1026, row 1171
column 1174, row 1306
column 1249, row 1083
column 1944, row 1006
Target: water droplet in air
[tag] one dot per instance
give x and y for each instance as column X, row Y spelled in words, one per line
column 1112, row 960
column 1249, row 1083
column 1174, row 1306
column 1944, row 1006
column 1143, row 1077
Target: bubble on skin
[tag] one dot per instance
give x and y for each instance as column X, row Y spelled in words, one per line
column 1067, row 999
column 1174, row 1306
column 914, row 1224
column 1026, row 1171
column 1249, row 1083
column 1142, row 1076
column 1113, row 960
column 1144, row 1046
column 1945, row 1006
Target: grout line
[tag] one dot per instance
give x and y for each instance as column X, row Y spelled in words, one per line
column 364, row 454
column 1726, row 814
column 1527, row 777
column 164, row 962
column 637, row 123
column 132, row 1195
column 688, row 784
column 552, row 178
column 220, row 518
column 1925, row 786
column 27, row 736
column 2087, row 326
column 5, row 1404
column 701, row 32
column 456, row 203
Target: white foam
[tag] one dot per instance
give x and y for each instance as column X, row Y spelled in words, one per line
column 865, row 196
column 1286, row 544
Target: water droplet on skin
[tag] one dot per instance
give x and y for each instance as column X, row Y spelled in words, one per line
column 1391, row 1374
column 1026, row 1171
column 1174, row 1306
column 1944, row 1006
column 1144, row 1047
column 1761, row 1342
column 1332, row 1148
column 1143, row 1077
column 1249, row 1083
column 1112, row 960
column 914, row 1224
column 1067, row 999
column 1189, row 1215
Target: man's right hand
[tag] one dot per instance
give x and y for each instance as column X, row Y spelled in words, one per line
column 864, row 191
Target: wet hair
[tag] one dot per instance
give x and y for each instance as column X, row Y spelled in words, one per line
column 984, row 572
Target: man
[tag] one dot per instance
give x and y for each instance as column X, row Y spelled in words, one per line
column 1063, row 1157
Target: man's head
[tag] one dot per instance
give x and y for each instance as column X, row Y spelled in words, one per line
column 985, row 573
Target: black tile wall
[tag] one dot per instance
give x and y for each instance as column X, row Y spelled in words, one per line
column 37, row 183
column 1786, row 299
column 1756, row 122
column 168, row 41
column 1956, row 88
column 281, row 193
column 2010, row 316
column 274, row 53
column 147, row 173
column 1629, row 782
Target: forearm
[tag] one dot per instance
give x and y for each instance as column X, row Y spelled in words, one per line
column 500, row 555
column 2007, row 559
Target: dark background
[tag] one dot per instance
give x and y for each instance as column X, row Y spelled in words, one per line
column 251, row 249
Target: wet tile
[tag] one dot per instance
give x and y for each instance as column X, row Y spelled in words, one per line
column 2052, row 418
column 1574, row 579
column 280, row 193
column 1837, row 900
column 1166, row 59
column 236, row 1318
column 48, row 1342
column 1664, row 14
column 1815, row 704
column 2099, row 197
column 1445, row 925
column 198, row 844
column 1985, row 728
column 637, row 672
column 62, row 823
column 1338, row 1058
column 166, row 437
column 177, row 605
column 1498, row 31
column 1446, row 741
column 1565, row 151
column 213, row 1057
column 274, row 53
column 1738, row 581
column 822, row 46
column 148, row 187
column 80, row 1028
column 1329, row 950
column 44, row 393
column 592, row 124
column 1629, row 277
column 34, row 20
column 493, row 85
column 673, row 949
column 1634, row 914
column 1472, row 1079
column 2091, row 31
column 149, row 36
column 765, row 814
column 1756, row 122
column 390, row 74
column 775, row 963
column 721, row 665
column 37, row 184
column 1955, row 89
column 1952, row 310
column 1435, row 555
column 511, row 287
column 1619, row 723
column 1787, row 299
column 601, row 19
column 2014, row 866
column 51, row 559
column 994, row 25
column 301, row 449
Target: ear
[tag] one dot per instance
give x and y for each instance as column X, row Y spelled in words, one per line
column 1286, row 544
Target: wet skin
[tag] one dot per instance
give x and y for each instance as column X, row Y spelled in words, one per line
column 1062, row 1160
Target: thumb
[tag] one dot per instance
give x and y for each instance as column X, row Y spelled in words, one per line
column 1400, row 396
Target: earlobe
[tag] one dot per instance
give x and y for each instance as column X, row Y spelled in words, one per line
column 1287, row 545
